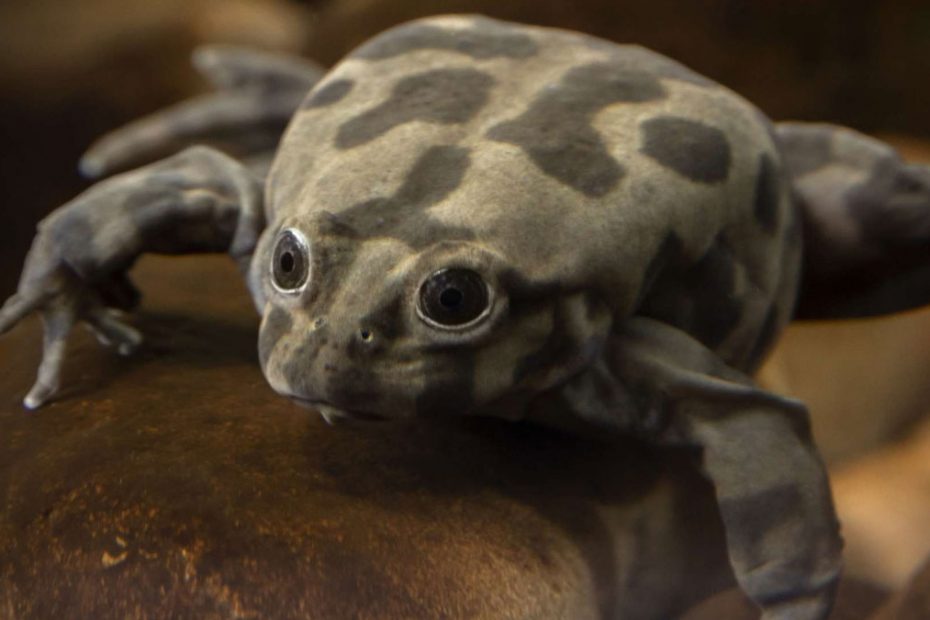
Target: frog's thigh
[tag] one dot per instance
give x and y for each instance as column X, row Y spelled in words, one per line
column 770, row 482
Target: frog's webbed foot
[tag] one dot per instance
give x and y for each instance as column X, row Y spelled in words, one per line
column 771, row 486
column 63, row 301
column 76, row 271
column 256, row 94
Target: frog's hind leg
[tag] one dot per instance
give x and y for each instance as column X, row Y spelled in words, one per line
column 256, row 94
column 197, row 201
column 866, row 215
column 771, row 485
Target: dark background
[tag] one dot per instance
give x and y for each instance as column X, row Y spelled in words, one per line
column 72, row 69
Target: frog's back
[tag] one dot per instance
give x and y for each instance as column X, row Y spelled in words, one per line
column 589, row 165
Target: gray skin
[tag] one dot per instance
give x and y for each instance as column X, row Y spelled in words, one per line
column 469, row 217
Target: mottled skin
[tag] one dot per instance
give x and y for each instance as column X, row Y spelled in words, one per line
column 629, row 233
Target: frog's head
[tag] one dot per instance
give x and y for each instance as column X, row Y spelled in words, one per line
column 374, row 328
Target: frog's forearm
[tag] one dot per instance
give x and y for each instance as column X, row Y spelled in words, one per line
column 757, row 450
column 197, row 201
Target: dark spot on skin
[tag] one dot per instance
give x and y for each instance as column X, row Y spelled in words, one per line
column 332, row 224
column 346, row 385
column 889, row 272
column 328, row 94
column 768, row 194
column 762, row 511
column 296, row 371
column 523, row 291
column 670, row 252
column 690, row 148
column 276, row 325
column 698, row 298
column 69, row 232
column 490, row 40
column 638, row 58
column 556, row 132
column 558, row 346
column 716, row 310
column 152, row 209
column 765, row 339
column 434, row 176
column 385, row 319
column 451, row 390
column 143, row 218
column 443, row 96
column 355, row 389
column 430, row 232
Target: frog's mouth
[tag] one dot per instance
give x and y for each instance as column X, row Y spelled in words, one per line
column 336, row 415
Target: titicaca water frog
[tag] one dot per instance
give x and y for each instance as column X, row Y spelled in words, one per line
column 471, row 217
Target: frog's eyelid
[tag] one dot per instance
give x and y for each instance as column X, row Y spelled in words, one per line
column 304, row 244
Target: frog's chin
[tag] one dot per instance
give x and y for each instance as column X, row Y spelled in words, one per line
column 336, row 415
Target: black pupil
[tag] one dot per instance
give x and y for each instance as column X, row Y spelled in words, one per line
column 453, row 297
column 450, row 298
column 291, row 263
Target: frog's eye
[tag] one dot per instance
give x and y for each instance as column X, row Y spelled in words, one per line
column 453, row 299
column 290, row 262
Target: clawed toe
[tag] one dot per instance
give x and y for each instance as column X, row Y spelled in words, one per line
column 111, row 331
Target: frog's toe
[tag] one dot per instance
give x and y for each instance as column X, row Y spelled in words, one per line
column 58, row 324
column 39, row 395
column 112, row 331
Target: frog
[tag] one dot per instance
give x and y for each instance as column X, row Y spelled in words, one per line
column 473, row 217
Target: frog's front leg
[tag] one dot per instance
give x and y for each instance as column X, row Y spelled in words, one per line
column 771, row 485
column 197, row 201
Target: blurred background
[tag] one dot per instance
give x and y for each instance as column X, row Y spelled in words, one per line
column 71, row 70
